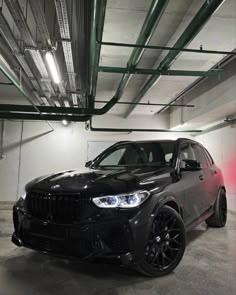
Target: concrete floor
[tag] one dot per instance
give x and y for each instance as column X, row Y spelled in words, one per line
column 208, row 267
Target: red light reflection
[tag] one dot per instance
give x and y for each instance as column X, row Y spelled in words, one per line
column 229, row 172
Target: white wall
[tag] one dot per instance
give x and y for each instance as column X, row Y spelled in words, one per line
column 45, row 152
column 222, row 146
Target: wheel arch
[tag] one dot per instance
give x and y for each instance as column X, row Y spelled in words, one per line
column 171, row 202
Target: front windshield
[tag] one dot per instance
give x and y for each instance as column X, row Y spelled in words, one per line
column 138, row 154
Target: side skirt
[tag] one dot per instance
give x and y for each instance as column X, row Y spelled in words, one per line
column 200, row 219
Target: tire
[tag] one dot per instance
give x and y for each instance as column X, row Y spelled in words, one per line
column 219, row 218
column 166, row 244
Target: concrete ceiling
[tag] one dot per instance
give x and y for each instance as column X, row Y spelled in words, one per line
column 122, row 24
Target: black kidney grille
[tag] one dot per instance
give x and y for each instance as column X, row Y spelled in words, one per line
column 59, row 208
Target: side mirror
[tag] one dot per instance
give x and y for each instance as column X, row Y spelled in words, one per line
column 190, row 165
column 88, row 164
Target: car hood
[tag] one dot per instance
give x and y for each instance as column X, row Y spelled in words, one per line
column 101, row 182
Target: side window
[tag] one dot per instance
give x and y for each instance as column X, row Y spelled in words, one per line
column 200, row 157
column 186, row 152
column 208, row 156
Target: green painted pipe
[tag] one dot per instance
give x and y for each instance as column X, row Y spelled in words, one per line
column 119, row 70
column 128, row 130
column 6, row 84
column 38, row 117
column 47, row 110
column 157, row 47
column 152, row 19
column 97, row 24
column 100, row 129
column 199, row 20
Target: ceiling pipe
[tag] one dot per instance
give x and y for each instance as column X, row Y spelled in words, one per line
column 220, row 64
column 141, row 71
column 148, row 104
column 197, row 23
column 97, row 24
column 226, row 122
column 6, row 84
column 38, row 117
column 151, row 21
column 157, row 47
column 61, row 110
column 129, row 130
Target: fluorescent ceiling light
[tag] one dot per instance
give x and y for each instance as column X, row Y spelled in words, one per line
column 52, row 67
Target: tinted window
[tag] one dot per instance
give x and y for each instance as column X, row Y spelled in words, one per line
column 147, row 153
column 208, row 156
column 126, row 155
column 199, row 155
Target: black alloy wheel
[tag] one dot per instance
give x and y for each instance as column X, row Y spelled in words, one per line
column 219, row 218
column 166, row 243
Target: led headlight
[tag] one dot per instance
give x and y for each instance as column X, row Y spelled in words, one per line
column 129, row 200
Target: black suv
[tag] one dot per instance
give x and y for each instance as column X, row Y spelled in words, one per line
column 134, row 203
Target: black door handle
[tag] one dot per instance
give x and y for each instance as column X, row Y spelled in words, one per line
column 201, row 177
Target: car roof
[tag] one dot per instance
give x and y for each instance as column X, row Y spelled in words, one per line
column 158, row 140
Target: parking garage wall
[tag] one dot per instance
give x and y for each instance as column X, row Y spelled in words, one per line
column 222, row 145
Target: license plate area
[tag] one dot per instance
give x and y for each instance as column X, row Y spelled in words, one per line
column 48, row 230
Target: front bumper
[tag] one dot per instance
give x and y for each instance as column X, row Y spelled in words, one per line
column 121, row 236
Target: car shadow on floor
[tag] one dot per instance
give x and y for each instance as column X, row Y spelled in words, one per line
column 44, row 274
column 196, row 233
